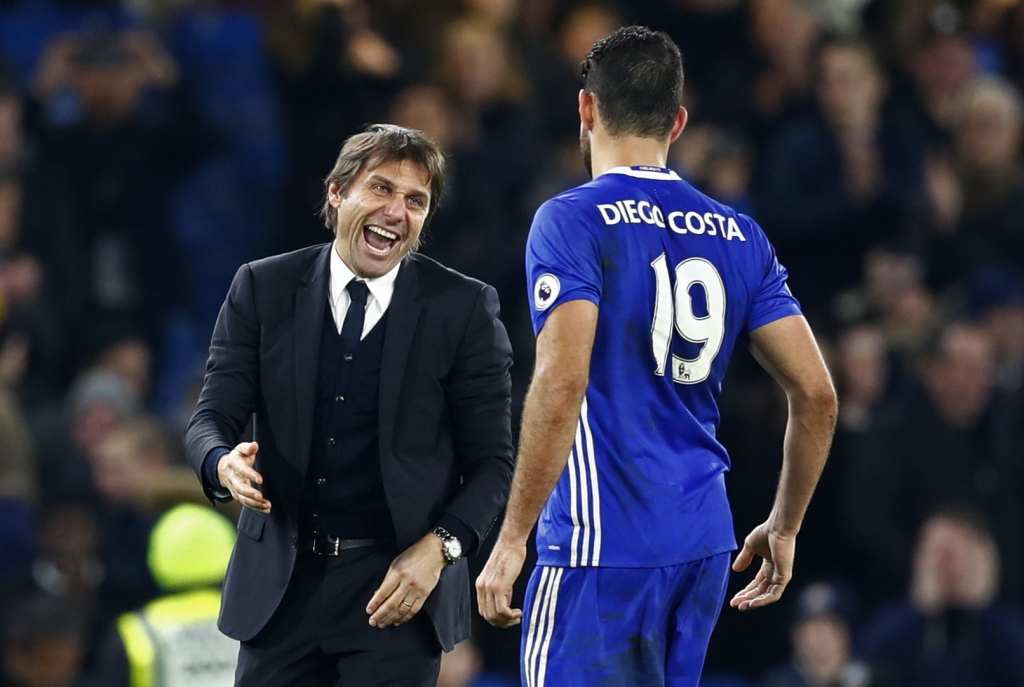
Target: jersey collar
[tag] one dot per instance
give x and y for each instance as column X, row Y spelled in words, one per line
column 646, row 172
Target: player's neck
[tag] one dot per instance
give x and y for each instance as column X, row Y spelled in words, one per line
column 627, row 151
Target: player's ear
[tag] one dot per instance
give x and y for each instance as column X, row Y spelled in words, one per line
column 588, row 109
column 679, row 124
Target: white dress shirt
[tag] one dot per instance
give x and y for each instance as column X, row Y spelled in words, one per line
column 381, row 290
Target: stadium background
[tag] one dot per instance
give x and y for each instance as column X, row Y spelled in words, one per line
column 149, row 147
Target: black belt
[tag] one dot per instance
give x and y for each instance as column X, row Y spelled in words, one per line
column 326, row 545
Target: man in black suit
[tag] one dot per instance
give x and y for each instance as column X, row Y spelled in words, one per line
column 378, row 385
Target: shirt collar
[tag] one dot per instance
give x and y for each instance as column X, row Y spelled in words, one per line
column 644, row 172
column 381, row 288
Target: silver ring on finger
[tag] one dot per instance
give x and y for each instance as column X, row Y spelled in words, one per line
column 407, row 604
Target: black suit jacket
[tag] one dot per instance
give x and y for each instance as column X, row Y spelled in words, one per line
column 445, row 417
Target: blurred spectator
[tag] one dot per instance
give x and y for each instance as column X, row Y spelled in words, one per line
column 978, row 212
column 822, row 643
column 497, row 135
column 174, row 641
column 894, row 295
column 133, row 477
column 67, row 562
column 132, row 468
column 336, row 72
column 785, row 33
column 996, row 298
column 765, row 84
column 938, row 443
column 1013, row 43
column 717, row 161
column 44, row 643
column 862, row 368
column 469, row 223
column 17, row 465
column 18, row 475
column 32, row 315
column 555, row 74
column 12, row 131
column 952, row 631
column 941, row 66
column 862, row 376
column 69, row 437
column 122, row 134
column 131, row 359
column 839, row 180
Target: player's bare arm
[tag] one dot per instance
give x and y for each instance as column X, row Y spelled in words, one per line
column 787, row 350
column 550, row 414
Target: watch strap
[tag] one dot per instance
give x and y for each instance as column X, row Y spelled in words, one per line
column 447, row 538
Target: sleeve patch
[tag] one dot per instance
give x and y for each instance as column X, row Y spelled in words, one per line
column 545, row 291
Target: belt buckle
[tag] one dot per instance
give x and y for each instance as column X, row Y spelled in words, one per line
column 331, row 541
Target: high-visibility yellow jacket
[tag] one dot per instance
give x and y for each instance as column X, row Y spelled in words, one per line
column 174, row 642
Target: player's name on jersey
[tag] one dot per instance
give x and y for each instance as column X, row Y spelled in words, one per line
column 643, row 212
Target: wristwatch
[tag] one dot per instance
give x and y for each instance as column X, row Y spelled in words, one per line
column 450, row 545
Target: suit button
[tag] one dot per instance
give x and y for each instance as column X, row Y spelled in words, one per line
column 295, row 542
column 330, row 441
column 348, row 357
column 339, row 399
column 321, row 481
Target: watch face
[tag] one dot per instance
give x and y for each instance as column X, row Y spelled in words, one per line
column 454, row 547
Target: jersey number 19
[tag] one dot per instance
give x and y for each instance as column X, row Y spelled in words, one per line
column 676, row 308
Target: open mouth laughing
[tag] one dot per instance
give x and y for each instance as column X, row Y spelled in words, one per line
column 379, row 241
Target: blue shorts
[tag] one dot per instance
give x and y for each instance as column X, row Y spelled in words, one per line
column 622, row 627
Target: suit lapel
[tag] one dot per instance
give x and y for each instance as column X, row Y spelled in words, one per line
column 310, row 300
column 403, row 314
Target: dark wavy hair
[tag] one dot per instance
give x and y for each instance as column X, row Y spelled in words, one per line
column 636, row 76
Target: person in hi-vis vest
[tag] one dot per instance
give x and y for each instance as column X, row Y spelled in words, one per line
column 174, row 641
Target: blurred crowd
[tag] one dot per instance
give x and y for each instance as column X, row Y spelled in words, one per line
column 149, row 147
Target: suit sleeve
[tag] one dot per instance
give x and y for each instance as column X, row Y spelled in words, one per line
column 231, row 384
column 480, row 401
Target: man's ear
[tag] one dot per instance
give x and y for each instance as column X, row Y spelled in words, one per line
column 679, row 124
column 588, row 110
column 334, row 195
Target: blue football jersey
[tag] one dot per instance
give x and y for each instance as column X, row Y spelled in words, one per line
column 678, row 278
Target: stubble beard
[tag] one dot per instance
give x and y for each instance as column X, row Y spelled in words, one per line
column 585, row 152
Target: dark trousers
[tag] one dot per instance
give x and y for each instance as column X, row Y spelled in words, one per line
column 320, row 633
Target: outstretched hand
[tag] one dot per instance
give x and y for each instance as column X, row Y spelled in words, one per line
column 236, row 474
column 776, row 569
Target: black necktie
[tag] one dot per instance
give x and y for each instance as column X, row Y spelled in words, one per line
column 352, row 329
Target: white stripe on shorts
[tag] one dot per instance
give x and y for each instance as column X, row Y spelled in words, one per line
column 542, row 626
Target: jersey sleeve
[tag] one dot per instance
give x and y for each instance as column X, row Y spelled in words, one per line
column 563, row 261
column 772, row 299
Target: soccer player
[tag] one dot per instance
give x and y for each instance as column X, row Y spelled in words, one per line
column 641, row 287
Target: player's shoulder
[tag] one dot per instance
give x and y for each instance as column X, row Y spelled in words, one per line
column 578, row 205
column 738, row 223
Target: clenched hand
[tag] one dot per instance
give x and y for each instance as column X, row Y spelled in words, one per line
column 494, row 586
